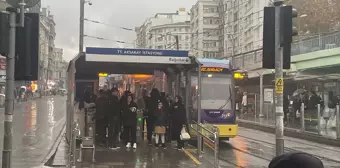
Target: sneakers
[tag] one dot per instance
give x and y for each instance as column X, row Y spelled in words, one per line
column 128, row 145
column 134, row 146
column 179, row 148
column 163, row 146
column 156, row 145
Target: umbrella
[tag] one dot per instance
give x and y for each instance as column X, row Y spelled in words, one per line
column 299, row 91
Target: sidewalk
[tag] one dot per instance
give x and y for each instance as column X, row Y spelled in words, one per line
column 292, row 128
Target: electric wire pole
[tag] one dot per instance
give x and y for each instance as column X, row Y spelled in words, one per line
column 81, row 26
column 279, row 127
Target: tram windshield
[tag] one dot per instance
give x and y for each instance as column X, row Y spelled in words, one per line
column 216, row 91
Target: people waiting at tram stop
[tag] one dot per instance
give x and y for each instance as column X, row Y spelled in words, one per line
column 116, row 116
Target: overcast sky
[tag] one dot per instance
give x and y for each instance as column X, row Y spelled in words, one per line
column 126, row 13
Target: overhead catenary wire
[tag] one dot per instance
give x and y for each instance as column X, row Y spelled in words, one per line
column 101, row 38
column 106, row 24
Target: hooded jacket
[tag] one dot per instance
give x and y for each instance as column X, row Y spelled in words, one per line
column 178, row 114
column 129, row 114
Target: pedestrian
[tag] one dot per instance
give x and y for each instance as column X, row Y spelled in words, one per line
column 114, row 119
column 295, row 160
column 152, row 108
column 129, row 115
column 102, row 110
column 161, row 121
column 179, row 120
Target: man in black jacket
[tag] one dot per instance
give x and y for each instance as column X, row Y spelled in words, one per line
column 102, row 107
column 114, row 117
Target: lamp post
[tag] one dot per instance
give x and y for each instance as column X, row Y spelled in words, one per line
column 81, row 24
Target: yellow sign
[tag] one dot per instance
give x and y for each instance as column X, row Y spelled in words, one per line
column 238, row 75
column 102, row 75
column 279, row 85
column 205, row 69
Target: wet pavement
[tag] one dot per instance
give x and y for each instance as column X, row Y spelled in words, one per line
column 250, row 149
column 36, row 126
column 310, row 125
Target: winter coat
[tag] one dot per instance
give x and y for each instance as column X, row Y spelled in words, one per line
column 161, row 117
column 178, row 115
column 129, row 114
column 114, row 108
column 102, row 108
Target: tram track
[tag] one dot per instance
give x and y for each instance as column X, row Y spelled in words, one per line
column 292, row 150
column 238, row 150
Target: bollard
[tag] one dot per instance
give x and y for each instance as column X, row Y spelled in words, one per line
column 216, row 137
column 319, row 118
column 337, row 121
column 302, row 116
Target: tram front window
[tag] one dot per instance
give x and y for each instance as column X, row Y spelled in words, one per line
column 216, row 91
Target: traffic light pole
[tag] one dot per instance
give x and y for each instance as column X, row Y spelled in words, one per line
column 279, row 127
column 9, row 100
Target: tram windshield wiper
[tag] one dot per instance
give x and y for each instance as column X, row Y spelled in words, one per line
column 227, row 100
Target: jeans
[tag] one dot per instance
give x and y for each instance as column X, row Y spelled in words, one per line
column 130, row 133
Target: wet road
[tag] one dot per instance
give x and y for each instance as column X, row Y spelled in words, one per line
column 36, row 126
column 255, row 149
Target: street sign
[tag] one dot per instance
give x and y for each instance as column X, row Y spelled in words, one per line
column 279, row 85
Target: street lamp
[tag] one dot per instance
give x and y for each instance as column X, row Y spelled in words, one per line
column 81, row 24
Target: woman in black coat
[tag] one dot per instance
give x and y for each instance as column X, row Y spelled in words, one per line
column 129, row 116
column 179, row 119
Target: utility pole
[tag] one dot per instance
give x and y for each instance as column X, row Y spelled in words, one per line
column 10, row 74
column 9, row 100
column 81, row 26
column 278, row 80
column 278, row 32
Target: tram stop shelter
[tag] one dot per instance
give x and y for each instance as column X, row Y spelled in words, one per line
column 86, row 66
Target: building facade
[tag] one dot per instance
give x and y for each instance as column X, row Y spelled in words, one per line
column 160, row 31
column 243, row 25
column 47, row 37
column 207, row 29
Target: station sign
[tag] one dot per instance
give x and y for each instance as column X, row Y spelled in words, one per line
column 240, row 75
column 129, row 55
column 103, row 75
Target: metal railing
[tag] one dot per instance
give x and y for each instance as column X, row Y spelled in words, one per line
column 321, row 116
column 215, row 140
column 315, row 43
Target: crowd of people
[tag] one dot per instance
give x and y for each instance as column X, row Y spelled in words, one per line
column 117, row 115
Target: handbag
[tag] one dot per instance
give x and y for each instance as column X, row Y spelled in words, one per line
column 184, row 134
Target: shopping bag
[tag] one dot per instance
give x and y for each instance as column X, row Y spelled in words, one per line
column 331, row 122
column 184, row 134
column 322, row 122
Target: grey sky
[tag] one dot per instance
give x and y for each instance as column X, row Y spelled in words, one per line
column 126, row 13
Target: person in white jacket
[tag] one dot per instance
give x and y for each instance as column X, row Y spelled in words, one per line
column 244, row 103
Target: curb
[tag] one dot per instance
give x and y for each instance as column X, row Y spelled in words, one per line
column 53, row 150
column 294, row 133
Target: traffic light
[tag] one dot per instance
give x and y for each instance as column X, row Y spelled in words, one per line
column 4, row 33
column 268, row 58
column 287, row 31
column 288, row 13
column 27, row 48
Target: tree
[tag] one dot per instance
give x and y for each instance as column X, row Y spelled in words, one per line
column 320, row 15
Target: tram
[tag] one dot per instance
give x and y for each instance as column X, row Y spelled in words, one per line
column 217, row 97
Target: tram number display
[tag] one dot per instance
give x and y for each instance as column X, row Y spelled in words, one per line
column 206, row 69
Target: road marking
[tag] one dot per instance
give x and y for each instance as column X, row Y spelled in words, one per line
column 192, row 157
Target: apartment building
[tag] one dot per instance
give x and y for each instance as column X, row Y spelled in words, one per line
column 206, row 19
column 159, row 32
column 243, row 25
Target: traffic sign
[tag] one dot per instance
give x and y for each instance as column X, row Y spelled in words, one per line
column 279, row 85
